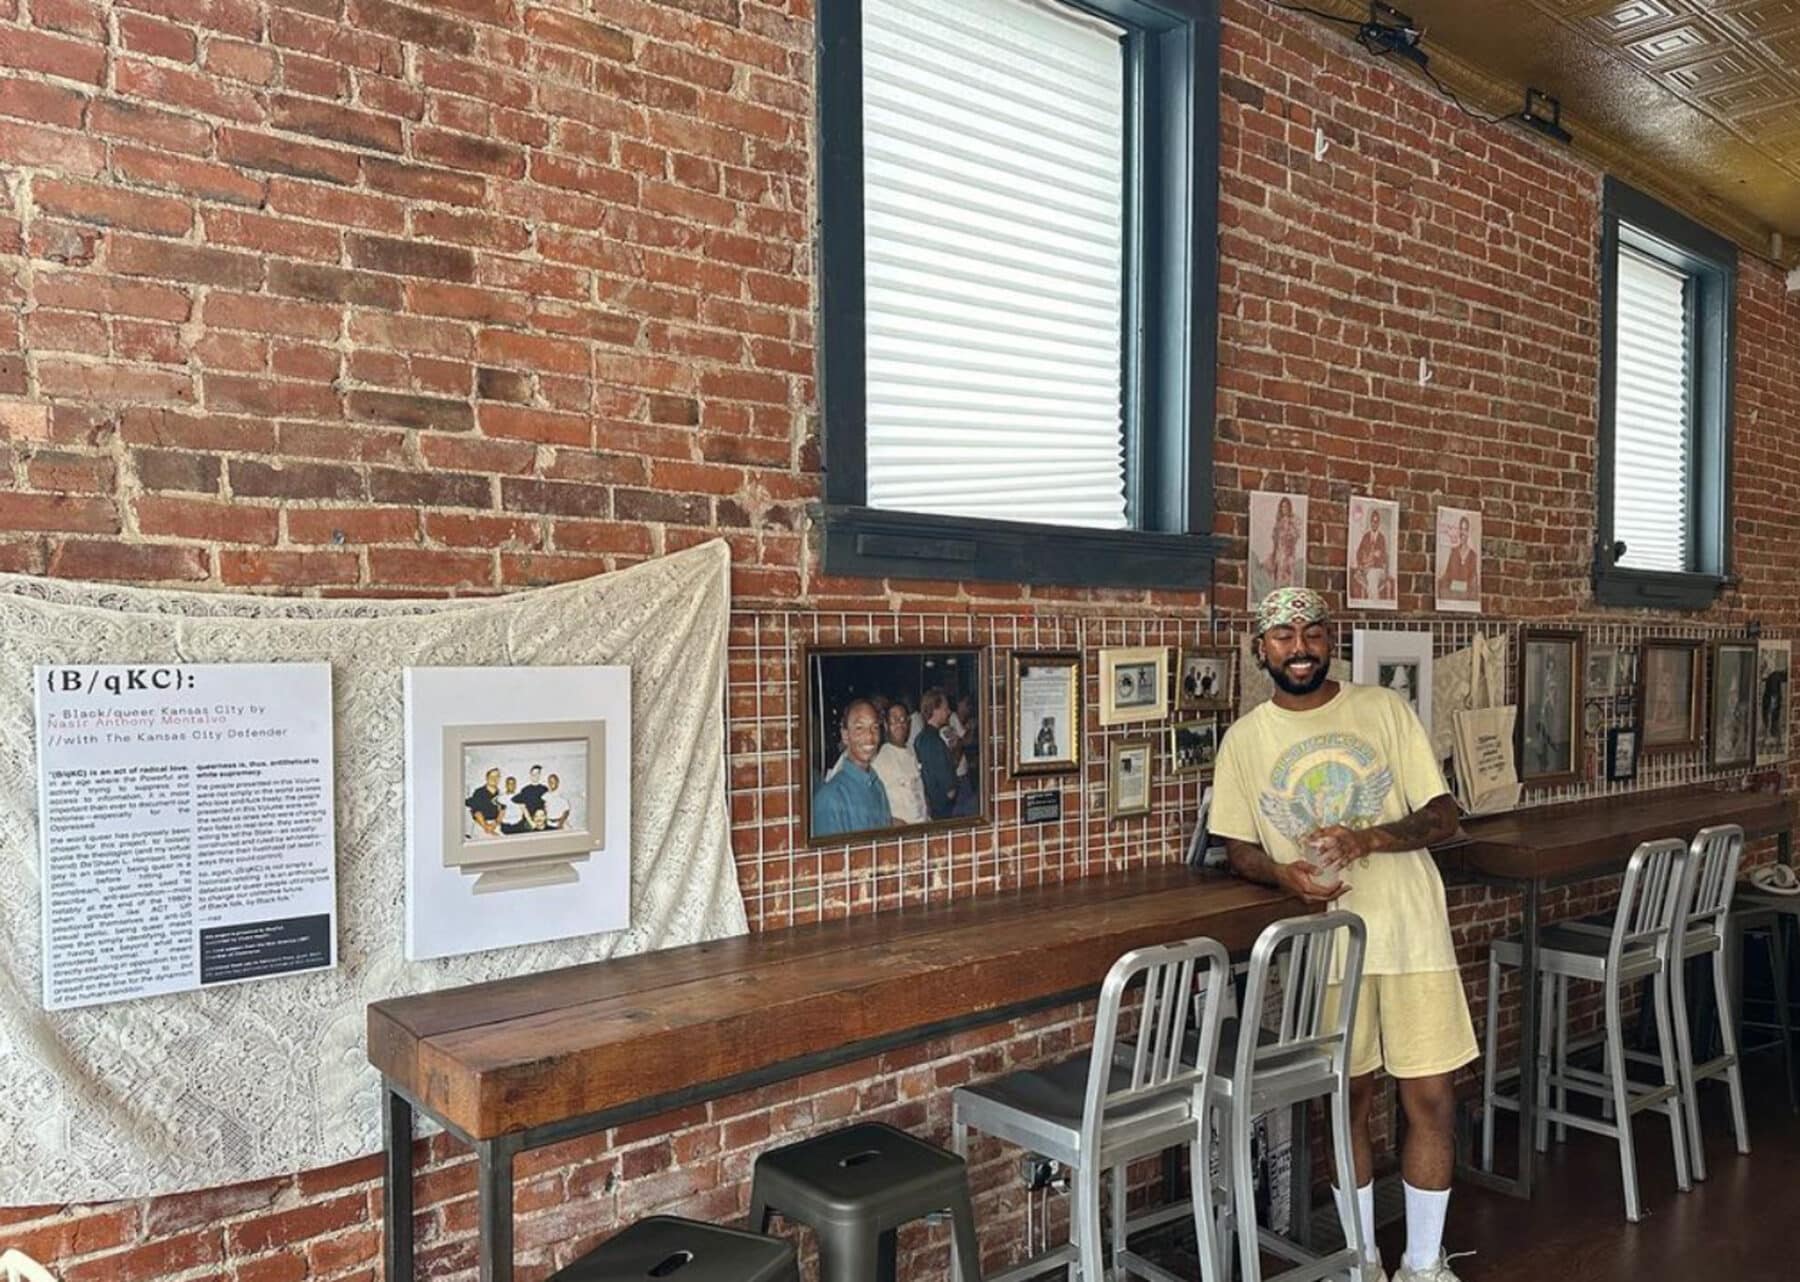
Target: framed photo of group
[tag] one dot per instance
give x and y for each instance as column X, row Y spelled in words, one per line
column 1203, row 680
column 1668, row 695
column 890, row 741
column 1550, row 726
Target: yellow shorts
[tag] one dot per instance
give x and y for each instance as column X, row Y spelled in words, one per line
column 1413, row 1025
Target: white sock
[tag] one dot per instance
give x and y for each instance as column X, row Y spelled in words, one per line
column 1365, row 1211
column 1425, row 1210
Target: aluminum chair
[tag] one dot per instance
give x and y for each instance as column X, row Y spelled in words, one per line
column 1305, row 1056
column 1637, row 947
column 1701, row 926
column 1131, row 1096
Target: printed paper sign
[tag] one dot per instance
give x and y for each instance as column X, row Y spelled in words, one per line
column 186, row 822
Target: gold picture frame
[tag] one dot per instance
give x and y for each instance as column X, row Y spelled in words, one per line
column 1194, row 745
column 1043, row 712
column 1195, row 668
column 1130, row 777
column 1134, row 684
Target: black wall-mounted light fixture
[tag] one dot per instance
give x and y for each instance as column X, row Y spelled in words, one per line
column 1544, row 114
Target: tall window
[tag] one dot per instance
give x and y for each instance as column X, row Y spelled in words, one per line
column 1665, row 433
column 1019, row 282
column 994, row 260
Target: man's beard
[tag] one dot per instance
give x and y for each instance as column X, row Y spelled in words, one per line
column 1321, row 670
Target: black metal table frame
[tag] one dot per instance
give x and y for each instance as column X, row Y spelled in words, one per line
column 1520, row 1185
column 494, row 1157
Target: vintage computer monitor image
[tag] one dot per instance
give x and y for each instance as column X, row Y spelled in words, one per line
column 518, row 806
column 525, row 798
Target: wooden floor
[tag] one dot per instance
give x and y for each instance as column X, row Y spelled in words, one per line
column 1733, row 1227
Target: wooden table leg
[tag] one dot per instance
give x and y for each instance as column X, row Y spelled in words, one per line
column 397, row 1186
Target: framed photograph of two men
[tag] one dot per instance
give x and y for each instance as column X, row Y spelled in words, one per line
column 892, row 741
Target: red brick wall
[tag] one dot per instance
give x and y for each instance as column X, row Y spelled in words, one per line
column 352, row 296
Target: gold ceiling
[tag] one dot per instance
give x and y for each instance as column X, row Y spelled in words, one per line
column 1696, row 100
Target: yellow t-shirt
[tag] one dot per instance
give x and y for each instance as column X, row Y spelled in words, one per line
column 1361, row 760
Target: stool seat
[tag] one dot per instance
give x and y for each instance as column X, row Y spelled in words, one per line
column 855, row 1187
column 848, row 1173
column 672, row 1249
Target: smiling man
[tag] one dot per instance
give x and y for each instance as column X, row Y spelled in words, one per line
column 1332, row 793
column 853, row 799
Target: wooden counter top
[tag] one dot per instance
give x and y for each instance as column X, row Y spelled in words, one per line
column 1565, row 840
column 495, row 1058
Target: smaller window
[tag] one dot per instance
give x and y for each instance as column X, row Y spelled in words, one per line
column 1667, row 288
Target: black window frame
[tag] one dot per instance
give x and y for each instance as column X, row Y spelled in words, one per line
column 1170, row 325
column 1709, row 261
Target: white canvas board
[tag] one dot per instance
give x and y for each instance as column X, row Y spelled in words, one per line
column 518, row 794
column 187, row 834
column 1401, row 661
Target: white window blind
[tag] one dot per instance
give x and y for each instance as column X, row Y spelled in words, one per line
column 993, row 145
column 1652, row 442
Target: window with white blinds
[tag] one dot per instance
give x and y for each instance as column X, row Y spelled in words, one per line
column 1652, row 458
column 994, row 158
column 1668, row 287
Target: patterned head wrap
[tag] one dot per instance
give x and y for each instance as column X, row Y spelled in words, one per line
column 1295, row 607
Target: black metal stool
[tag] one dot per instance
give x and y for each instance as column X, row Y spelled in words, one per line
column 855, row 1187
column 668, row 1247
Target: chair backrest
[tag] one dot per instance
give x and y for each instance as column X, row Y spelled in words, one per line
column 1651, row 897
column 1311, row 953
column 1172, row 976
column 1712, row 869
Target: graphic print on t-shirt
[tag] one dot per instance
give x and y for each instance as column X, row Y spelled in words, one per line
column 1327, row 779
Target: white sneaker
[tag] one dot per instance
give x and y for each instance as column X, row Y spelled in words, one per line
column 1438, row 1272
column 1373, row 1272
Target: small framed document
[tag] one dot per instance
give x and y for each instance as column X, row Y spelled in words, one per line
column 1044, row 710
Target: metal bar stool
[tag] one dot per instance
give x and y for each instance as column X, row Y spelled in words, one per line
column 1306, row 1056
column 665, row 1246
column 1128, row 1097
column 1637, row 947
column 855, row 1187
column 1710, row 876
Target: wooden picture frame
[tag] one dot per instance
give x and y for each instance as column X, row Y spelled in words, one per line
column 834, row 679
column 1205, row 679
column 1130, row 777
column 1668, row 718
column 1043, row 712
column 1731, row 725
column 1550, row 734
column 1134, row 684
column 1194, row 746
